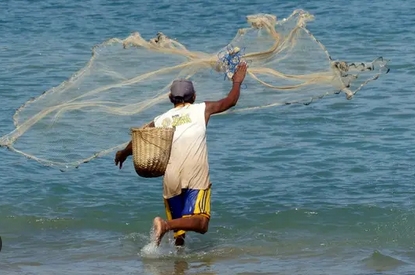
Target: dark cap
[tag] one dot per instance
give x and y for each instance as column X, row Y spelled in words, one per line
column 182, row 88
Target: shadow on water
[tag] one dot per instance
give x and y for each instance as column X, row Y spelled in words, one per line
column 176, row 266
column 166, row 259
column 197, row 257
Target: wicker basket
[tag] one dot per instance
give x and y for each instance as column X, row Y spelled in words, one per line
column 151, row 150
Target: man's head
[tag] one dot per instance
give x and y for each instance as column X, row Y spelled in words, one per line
column 182, row 91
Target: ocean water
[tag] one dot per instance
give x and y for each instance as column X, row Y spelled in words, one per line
column 325, row 188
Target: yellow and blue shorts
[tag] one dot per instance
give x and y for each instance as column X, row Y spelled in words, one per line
column 190, row 202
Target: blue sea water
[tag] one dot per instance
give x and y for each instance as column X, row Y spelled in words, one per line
column 325, row 188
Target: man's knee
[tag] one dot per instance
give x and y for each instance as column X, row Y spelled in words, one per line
column 204, row 225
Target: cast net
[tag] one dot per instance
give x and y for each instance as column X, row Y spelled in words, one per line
column 126, row 82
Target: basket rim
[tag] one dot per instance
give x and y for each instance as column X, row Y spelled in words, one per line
column 138, row 129
column 148, row 127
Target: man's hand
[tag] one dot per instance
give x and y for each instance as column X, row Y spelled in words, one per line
column 120, row 157
column 240, row 73
column 215, row 107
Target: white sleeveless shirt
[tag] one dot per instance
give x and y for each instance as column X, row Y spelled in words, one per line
column 188, row 165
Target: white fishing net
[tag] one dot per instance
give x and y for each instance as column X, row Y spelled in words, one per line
column 126, row 82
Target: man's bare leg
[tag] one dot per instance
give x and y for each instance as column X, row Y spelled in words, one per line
column 195, row 223
column 179, row 241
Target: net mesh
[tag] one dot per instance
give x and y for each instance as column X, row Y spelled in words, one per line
column 126, row 82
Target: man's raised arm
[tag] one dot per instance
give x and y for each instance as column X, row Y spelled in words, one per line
column 214, row 107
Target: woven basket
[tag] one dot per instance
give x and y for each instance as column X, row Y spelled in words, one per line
column 151, row 150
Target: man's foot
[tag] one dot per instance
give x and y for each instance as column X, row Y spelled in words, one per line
column 179, row 244
column 160, row 228
column 179, row 241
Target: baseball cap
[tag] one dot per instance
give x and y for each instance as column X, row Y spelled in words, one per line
column 182, row 88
